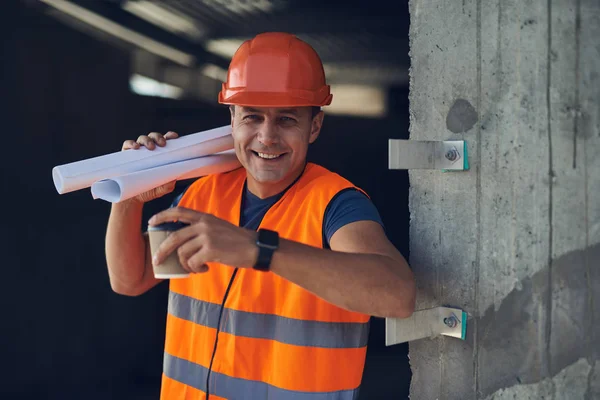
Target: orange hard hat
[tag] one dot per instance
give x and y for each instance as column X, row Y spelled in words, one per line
column 275, row 70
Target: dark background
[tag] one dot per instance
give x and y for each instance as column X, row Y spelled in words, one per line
column 65, row 96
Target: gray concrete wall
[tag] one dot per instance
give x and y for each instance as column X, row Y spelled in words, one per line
column 515, row 241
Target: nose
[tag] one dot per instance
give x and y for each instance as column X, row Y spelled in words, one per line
column 267, row 133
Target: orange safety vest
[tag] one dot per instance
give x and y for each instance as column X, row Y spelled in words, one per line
column 238, row 333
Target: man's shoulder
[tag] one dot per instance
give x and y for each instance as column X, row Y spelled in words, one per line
column 320, row 176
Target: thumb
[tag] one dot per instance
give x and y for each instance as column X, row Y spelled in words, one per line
column 166, row 188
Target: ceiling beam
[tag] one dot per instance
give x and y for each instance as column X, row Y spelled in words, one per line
column 114, row 12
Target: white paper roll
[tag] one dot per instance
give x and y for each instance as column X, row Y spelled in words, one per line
column 82, row 174
column 130, row 185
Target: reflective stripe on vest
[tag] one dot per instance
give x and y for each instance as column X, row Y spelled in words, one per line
column 269, row 326
column 194, row 375
column 276, row 340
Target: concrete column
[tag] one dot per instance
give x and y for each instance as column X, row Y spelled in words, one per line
column 514, row 241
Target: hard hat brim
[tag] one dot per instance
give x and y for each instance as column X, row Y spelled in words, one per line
column 271, row 99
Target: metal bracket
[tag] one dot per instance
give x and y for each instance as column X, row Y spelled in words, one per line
column 415, row 154
column 425, row 324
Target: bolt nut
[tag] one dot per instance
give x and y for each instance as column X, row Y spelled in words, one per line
column 451, row 321
column 452, row 155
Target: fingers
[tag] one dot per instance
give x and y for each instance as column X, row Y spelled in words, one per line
column 196, row 265
column 177, row 214
column 130, row 144
column 156, row 192
column 190, row 256
column 150, row 141
column 164, row 189
column 185, row 251
column 158, row 138
column 173, row 241
column 147, row 141
column 189, row 248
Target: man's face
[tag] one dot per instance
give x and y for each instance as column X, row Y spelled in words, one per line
column 271, row 143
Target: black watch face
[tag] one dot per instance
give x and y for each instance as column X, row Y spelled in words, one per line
column 268, row 242
column 268, row 238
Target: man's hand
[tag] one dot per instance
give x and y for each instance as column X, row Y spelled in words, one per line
column 207, row 239
column 150, row 141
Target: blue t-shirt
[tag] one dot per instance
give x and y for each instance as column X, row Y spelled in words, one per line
column 350, row 205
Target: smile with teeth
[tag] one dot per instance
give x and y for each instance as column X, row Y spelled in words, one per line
column 267, row 156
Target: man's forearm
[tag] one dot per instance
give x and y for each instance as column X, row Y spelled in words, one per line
column 368, row 283
column 126, row 250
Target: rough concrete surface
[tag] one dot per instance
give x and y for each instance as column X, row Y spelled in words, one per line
column 514, row 241
column 510, row 351
column 444, row 275
column 568, row 384
column 514, row 148
column 594, row 382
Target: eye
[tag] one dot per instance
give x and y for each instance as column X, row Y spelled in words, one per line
column 287, row 119
column 251, row 117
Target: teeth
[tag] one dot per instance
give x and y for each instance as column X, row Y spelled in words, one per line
column 268, row 156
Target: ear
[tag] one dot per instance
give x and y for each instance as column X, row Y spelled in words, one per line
column 315, row 129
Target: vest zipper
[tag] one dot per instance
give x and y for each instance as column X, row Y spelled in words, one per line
column 218, row 330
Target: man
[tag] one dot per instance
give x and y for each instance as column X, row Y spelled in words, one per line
column 289, row 259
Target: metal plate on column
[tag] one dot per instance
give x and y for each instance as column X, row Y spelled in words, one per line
column 417, row 154
column 426, row 323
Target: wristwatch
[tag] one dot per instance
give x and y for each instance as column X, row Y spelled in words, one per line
column 267, row 242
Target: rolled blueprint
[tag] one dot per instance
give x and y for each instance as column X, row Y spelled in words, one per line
column 82, row 174
column 130, row 185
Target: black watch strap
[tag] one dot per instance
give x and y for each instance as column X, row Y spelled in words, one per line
column 267, row 242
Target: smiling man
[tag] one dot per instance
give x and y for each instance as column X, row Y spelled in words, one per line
column 272, row 143
column 289, row 260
